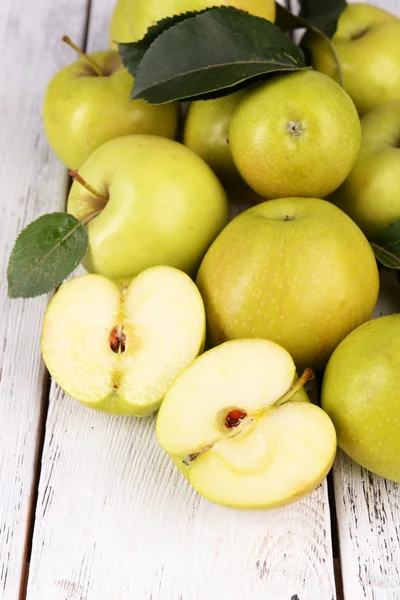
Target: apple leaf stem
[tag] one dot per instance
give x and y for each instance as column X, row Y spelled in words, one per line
column 307, row 376
column 76, row 177
column 88, row 59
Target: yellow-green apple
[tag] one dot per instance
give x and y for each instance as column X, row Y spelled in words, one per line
column 152, row 202
column 245, row 435
column 142, row 14
column 87, row 104
column 296, row 271
column 371, row 193
column 119, row 30
column 295, row 135
column 119, row 350
column 206, row 132
column 360, row 392
column 367, row 43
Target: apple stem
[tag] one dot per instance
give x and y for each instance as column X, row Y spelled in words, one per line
column 76, row 177
column 88, row 59
column 307, row 376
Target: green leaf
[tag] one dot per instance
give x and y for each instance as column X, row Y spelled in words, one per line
column 387, row 246
column 289, row 22
column 45, row 253
column 133, row 52
column 322, row 15
column 211, row 53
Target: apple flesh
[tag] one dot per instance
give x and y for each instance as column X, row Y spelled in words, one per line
column 142, row 14
column 360, row 392
column 82, row 110
column 367, row 43
column 288, row 270
column 371, row 193
column 243, row 429
column 161, row 205
column 295, row 135
column 118, row 351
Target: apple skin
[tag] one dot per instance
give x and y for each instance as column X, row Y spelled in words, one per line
column 371, row 193
column 119, row 30
column 367, row 43
column 165, row 207
column 82, row 110
column 143, row 14
column 295, row 135
column 360, row 392
column 206, row 132
column 288, row 270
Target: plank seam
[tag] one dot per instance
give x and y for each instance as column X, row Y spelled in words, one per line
column 44, row 409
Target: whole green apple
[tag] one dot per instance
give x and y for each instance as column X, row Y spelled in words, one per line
column 296, row 271
column 84, row 108
column 360, row 392
column 206, row 132
column 295, row 135
column 157, row 203
column 371, row 193
column 367, row 43
column 143, row 14
column 119, row 30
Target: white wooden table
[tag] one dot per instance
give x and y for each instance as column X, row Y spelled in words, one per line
column 90, row 507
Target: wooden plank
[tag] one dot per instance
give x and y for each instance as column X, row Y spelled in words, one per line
column 32, row 182
column 368, row 510
column 116, row 520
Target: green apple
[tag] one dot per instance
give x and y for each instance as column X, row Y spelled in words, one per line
column 87, row 104
column 296, row 271
column 244, row 433
column 295, row 135
column 367, row 43
column 206, row 132
column 360, row 392
column 142, row 14
column 119, row 350
column 157, row 203
column 371, row 193
column 119, row 30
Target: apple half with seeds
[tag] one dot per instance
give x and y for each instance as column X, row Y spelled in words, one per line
column 239, row 425
column 119, row 350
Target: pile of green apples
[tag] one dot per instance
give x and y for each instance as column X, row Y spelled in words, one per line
column 286, row 288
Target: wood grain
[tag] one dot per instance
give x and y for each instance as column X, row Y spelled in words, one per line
column 115, row 519
column 32, row 182
column 368, row 510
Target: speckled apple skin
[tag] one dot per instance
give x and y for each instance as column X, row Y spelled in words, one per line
column 295, row 135
column 360, row 393
column 370, row 195
column 304, row 282
column 367, row 42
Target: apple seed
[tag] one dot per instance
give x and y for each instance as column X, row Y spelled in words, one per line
column 234, row 417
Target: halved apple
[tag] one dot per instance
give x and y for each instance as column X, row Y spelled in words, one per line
column 119, row 351
column 239, row 425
